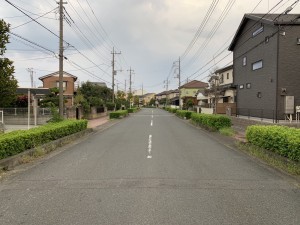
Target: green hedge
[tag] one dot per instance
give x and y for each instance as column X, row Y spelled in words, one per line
column 171, row 110
column 132, row 110
column 184, row 114
column 282, row 140
column 118, row 114
column 213, row 122
column 18, row 141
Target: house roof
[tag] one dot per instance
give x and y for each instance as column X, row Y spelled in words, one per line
column 224, row 69
column 270, row 19
column 161, row 93
column 65, row 74
column 36, row 91
column 194, row 84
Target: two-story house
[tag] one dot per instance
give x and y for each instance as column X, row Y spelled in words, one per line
column 161, row 98
column 173, row 98
column 189, row 91
column 148, row 97
column 221, row 92
column 52, row 80
column 266, row 56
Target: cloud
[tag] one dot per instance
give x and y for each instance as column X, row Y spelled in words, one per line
column 151, row 34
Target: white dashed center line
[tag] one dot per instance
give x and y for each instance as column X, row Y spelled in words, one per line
column 149, row 147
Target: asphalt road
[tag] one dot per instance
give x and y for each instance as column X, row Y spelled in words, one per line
column 150, row 168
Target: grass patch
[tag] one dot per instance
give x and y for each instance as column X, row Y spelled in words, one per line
column 227, row 131
column 38, row 153
column 271, row 158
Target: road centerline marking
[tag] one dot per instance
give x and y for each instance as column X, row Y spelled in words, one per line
column 149, row 156
column 151, row 123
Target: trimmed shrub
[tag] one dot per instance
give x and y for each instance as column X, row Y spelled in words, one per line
column 18, row 141
column 118, row 114
column 212, row 122
column 172, row 110
column 282, row 140
column 184, row 114
column 132, row 110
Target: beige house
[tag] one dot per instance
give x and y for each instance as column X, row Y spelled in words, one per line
column 189, row 91
column 224, row 81
column 52, row 80
column 147, row 98
column 221, row 94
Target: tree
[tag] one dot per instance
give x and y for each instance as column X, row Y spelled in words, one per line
column 121, row 100
column 8, row 83
column 214, row 90
column 136, row 100
column 95, row 95
column 52, row 99
column 152, row 102
column 22, row 101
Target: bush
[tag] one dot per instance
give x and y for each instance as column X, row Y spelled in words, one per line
column 18, row 141
column 212, row 122
column 282, row 140
column 172, row 110
column 132, row 110
column 110, row 106
column 118, row 114
column 184, row 114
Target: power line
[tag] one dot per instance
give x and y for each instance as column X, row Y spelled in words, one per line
column 241, row 35
column 201, row 27
column 257, row 45
column 33, row 43
column 213, row 31
column 34, row 19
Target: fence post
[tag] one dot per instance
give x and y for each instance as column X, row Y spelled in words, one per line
column 261, row 114
column 248, row 114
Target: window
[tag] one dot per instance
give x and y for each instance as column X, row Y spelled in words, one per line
column 298, row 41
column 241, row 86
column 227, row 76
column 245, row 61
column 257, row 65
column 258, row 31
column 248, row 85
column 64, row 85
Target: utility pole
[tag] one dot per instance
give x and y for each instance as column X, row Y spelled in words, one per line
column 167, row 88
column 130, row 83
column 114, row 73
column 61, row 57
column 125, row 87
column 179, row 80
column 30, row 70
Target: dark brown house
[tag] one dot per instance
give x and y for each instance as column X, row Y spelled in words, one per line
column 52, row 80
column 266, row 56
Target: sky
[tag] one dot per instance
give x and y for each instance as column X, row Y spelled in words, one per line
column 148, row 36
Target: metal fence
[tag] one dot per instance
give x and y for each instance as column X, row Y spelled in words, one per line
column 24, row 111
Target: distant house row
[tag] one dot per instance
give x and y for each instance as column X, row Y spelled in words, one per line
column 264, row 80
